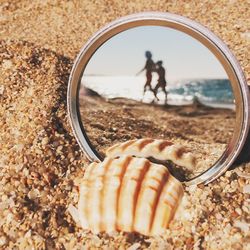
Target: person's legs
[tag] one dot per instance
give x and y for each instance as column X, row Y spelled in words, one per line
column 166, row 95
column 145, row 87
column 148, row 83
column 155, row 91
column 165, row 92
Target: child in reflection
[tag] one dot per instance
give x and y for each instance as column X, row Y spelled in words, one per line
column 161, row 80
column 149, row 67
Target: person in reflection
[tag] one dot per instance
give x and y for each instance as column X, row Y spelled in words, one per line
column 149, row 67
column 161, row 80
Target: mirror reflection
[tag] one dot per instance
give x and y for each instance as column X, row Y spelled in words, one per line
column 157, row 82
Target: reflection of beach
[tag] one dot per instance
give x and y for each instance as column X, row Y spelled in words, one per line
column 205, row 131
column 211, row 92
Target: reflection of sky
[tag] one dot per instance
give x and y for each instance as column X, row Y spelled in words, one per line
column 182, row 55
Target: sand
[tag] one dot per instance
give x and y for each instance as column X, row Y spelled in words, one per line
column 40, row 160
column 204, row 131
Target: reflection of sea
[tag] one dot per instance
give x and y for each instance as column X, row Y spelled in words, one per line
column 210, row 92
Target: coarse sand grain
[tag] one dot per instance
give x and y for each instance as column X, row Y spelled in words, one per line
column 40, row 161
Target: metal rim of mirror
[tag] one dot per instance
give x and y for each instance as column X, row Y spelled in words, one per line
column 197, row 31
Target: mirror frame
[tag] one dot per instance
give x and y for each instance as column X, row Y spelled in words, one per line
column 198, row 32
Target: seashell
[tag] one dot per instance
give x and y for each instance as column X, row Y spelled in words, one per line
column 161, row 150
column 128, row 194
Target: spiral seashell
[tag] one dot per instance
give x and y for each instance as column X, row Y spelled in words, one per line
column 128, row 194
column 161, row 150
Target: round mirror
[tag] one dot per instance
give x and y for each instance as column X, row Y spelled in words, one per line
column 162, row 80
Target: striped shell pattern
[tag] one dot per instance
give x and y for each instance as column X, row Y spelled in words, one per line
column 127, row 192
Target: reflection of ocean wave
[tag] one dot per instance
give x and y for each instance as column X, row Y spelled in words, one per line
column 211, row 92
column 214, row 90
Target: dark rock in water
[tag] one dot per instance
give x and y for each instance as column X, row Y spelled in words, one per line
column 198, row 104
column 90, row 92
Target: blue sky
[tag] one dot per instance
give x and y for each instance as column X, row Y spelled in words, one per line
column 182, row 55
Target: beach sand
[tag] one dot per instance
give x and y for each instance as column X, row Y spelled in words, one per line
column 40, row 160
column 202, row 130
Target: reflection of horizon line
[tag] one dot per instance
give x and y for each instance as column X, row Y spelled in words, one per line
column 95, row 75
column 113, row 75
column 170, row 78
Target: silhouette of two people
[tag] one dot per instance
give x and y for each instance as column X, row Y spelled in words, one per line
column 157, row 67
